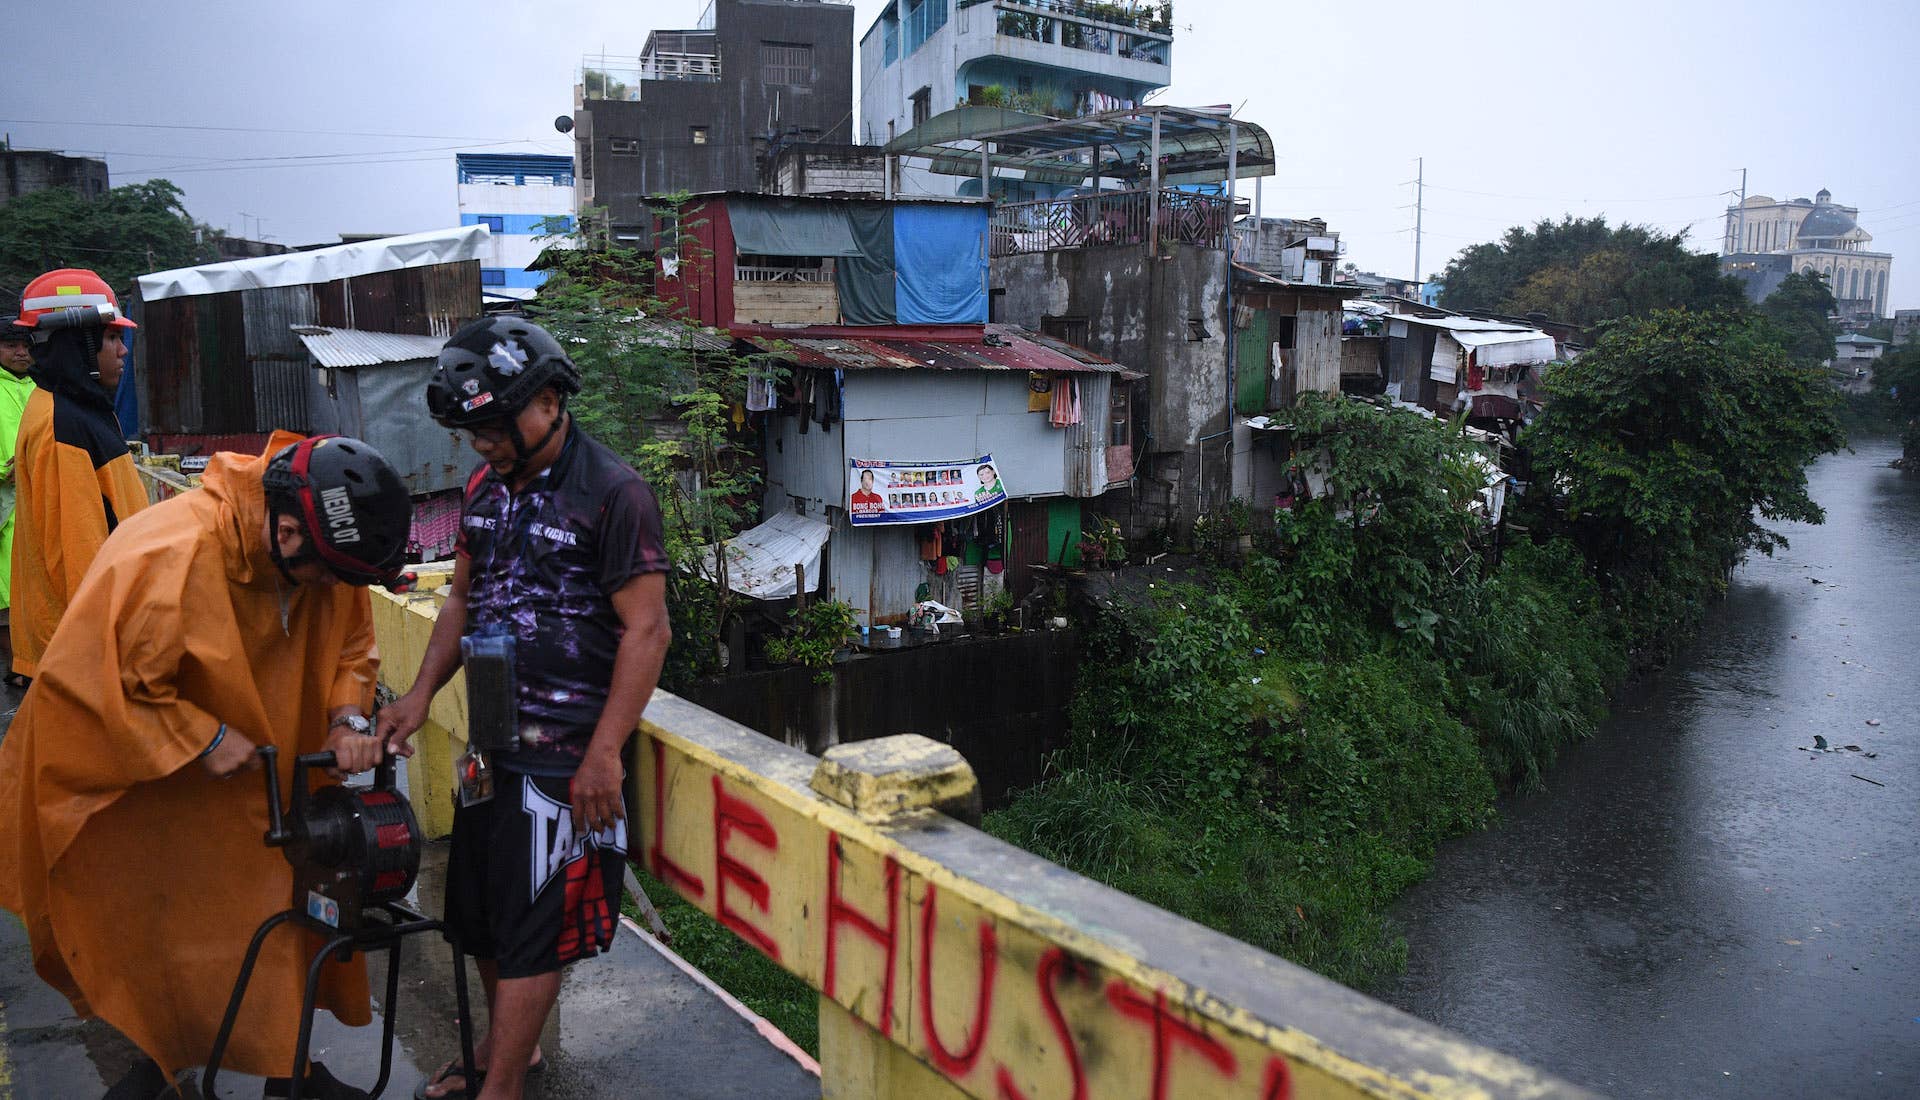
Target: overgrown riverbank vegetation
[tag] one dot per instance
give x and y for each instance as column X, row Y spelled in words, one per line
column 1275, row 750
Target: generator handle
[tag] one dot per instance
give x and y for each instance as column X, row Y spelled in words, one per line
column 277, row 835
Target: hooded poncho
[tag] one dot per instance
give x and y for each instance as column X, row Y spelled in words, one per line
column 139, row 875
column 74, row 483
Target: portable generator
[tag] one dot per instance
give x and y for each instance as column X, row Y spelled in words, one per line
column 355, row 852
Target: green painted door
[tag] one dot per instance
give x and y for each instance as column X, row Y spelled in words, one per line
column 1250, row 345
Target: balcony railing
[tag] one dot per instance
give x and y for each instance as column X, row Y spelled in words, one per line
column 754, row 273
column 1106, row 219
column 702, row 67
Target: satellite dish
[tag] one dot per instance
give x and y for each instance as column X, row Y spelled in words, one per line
column 564, row 124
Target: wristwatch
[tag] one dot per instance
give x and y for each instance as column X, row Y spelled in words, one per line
column 358, row 723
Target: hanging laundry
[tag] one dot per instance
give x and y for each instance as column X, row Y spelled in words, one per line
column 1066, row 403
column 762, row 391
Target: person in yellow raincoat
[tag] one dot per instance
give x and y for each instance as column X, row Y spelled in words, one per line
column 73, row 479
column 15, row 387
column 130, row 845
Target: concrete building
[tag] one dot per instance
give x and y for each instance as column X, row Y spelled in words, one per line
column 922, row 58
column 1906, row 327
column 1767, row 239
column 811, row 168
column 24, row 171
column 520, row 198
column 699, row 108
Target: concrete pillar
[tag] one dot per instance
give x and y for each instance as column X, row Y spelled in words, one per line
column 881, row 780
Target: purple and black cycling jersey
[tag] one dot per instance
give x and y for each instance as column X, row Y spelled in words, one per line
column 544, row 564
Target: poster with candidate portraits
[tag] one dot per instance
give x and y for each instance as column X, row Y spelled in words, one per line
column 882, row 491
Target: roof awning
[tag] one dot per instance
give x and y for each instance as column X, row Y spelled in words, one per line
column 760, row 562
column 1193, row 144
column 321, row 265
column 346, row 347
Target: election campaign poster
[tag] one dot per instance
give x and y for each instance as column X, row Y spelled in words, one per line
column 882, row 491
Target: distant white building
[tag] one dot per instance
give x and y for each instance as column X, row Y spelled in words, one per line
column 1768, row 239
column 1855, row 350
column 520, row 198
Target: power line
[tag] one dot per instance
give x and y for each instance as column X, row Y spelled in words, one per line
column 252, row 129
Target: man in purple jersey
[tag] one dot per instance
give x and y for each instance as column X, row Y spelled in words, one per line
column 560, row 559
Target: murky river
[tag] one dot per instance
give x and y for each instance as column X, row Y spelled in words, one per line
column 1699, row 905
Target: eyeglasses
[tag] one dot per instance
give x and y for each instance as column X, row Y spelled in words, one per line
column 492, row 436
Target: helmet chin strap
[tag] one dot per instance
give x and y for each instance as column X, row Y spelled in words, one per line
column 523, row 454
column 285, row 564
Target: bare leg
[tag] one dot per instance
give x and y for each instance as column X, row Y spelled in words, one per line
column 483, row 1047
column 520, row 1009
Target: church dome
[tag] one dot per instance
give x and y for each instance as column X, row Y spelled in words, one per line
column 1825, row 222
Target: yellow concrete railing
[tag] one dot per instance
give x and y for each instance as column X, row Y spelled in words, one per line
column 950, row 964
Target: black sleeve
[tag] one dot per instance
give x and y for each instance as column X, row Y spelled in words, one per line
column 630, row 538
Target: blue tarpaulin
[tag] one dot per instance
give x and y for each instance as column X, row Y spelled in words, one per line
column 940, row 256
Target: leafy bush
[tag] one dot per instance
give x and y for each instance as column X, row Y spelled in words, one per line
column 817, row 635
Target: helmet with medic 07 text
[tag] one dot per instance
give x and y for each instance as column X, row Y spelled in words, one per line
column 352, row 507
column 492, row 368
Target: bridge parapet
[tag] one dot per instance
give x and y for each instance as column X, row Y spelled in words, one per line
column 951, row 964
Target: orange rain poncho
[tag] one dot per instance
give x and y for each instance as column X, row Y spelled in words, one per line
column 139, row 875
column 73, row 481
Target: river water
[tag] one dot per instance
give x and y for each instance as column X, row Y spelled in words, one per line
column 1698, row 905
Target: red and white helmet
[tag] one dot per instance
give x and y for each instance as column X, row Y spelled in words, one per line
column 71, row 289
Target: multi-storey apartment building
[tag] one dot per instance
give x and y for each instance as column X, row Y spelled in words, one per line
column 521, row 199
column 922, row 58
column 698, row 109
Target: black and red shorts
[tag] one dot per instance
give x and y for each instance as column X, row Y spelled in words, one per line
column 523, row 887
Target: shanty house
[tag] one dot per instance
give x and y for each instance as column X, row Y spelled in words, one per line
column 947, row 456
column 1447, row 364
column 219, row 363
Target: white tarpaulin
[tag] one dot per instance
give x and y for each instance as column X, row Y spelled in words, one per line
column 1508, row 349
column 760, row 562
column 322, row 265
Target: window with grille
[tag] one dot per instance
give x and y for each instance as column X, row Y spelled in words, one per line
column 699, row 135
column 786, row 63
column 624, row 147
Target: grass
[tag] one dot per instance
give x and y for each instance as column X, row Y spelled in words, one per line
column 787, row 1002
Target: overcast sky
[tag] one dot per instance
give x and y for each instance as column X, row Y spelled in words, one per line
column 1643, row 111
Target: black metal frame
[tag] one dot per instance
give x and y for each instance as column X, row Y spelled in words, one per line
column 401, row 921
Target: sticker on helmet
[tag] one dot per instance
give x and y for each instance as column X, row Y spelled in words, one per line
column 475, row 402
column 507, row 359
column 471, row 386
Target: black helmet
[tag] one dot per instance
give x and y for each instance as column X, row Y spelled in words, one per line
column 352, row 504
column 12, row 329
column 493, row 367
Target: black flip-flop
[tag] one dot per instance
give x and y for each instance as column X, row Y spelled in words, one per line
column 454, row 1068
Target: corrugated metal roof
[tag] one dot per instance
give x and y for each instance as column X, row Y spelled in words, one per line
column 345, row 347
column 1006, row 348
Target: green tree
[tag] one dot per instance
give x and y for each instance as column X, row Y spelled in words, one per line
column 661, row 394
column 1583, row 271
column 1667, row 445
column 1897, row 379
column 128, row 231
column 1801, row 308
